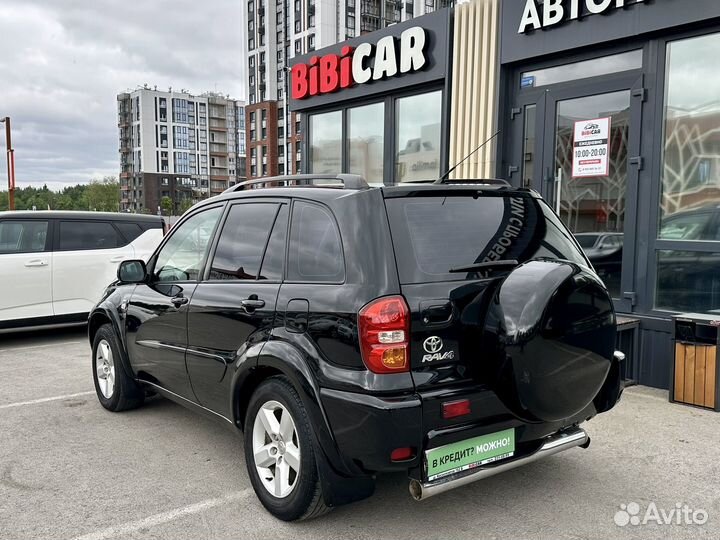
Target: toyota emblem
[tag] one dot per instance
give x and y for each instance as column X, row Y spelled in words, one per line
column 432, row 344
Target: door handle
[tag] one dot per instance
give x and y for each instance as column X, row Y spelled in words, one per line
column 252, row 303
column 36, row 262
column 179, row 300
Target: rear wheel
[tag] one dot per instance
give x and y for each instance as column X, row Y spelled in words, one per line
column 279, row 452
column 115, row 390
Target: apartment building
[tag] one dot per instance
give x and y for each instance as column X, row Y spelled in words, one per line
column 178, row 145
column 278, row 30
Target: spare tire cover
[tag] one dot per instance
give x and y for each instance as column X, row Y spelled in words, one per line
column 552, row 325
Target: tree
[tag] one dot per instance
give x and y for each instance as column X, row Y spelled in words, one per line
column 166, row 205
column 185, row 205
column 104, row 195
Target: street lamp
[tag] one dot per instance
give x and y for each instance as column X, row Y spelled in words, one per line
column 10, row 164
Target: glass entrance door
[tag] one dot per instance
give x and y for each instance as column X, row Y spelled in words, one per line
column 577, row 142
column 589, row 184
column 591, row 138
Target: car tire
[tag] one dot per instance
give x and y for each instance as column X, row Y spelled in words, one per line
column 273, row 455
column 115, row 390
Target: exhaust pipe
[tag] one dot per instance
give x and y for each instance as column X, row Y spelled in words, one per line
column 554, row 444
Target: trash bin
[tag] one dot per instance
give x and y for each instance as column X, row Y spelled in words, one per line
column 695, row 374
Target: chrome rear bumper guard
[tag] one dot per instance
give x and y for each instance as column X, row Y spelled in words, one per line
column 563, row 440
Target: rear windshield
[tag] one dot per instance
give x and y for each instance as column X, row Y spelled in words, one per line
column 431, row 235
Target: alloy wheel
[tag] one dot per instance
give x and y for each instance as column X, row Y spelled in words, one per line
column 105, row 369
column 276, row 449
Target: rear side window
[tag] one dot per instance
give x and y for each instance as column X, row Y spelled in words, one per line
column 18, row 236
column 129, row 230
column 242, row 241
column 431, row 235
column 85, row 235
column 272, row 265
column 315, row 252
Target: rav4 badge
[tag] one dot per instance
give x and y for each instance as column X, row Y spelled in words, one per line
column 433, row 346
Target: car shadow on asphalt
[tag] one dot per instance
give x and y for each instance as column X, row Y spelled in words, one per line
column 507, row 493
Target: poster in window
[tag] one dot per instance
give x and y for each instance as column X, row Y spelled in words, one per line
column 590, row 148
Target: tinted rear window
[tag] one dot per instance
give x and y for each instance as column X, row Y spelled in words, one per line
column 242, row 241
column 129, row 230
column 87, row 235
column 431, row 235
column 23, row 236
column 315, row 252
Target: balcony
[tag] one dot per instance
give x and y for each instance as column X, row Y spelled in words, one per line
column 124, row 119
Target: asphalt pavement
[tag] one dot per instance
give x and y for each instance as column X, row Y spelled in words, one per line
column 71, row 469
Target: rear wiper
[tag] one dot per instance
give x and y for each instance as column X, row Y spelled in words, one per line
column 488, row 265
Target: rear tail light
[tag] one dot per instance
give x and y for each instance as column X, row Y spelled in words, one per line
column 384, row 327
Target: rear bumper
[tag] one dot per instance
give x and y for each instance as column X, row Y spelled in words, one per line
column 554, row 444
column 366, row 428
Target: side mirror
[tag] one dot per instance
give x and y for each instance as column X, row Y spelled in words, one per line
column 132, row 271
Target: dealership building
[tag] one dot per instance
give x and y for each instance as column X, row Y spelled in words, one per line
column 609, row 108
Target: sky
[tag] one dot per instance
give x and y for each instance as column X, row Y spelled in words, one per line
column 63, row 62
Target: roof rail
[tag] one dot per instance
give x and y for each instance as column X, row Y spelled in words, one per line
column 349, row 181
column 486, row 181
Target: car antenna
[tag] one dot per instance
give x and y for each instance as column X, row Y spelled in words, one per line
column 444, row 176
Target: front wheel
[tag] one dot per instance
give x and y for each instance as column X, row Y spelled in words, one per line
column 279, row 453
column 115, row 390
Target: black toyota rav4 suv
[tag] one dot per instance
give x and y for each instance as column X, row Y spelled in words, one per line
column 450, row 330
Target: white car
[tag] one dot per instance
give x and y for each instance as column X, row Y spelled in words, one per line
column 55, row 265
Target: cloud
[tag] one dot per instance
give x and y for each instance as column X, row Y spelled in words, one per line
column 62, row 65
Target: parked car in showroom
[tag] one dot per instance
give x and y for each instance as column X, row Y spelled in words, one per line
column 689, row 280
column 450, row 331
column 54, row 265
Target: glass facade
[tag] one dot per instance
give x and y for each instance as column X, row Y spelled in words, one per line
column 356, row 139
column 417, row 136
column 658, row 193
column 366, row 141
column 689, row 279
column 691, row 151
column 604, row 65
column 326, row 143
